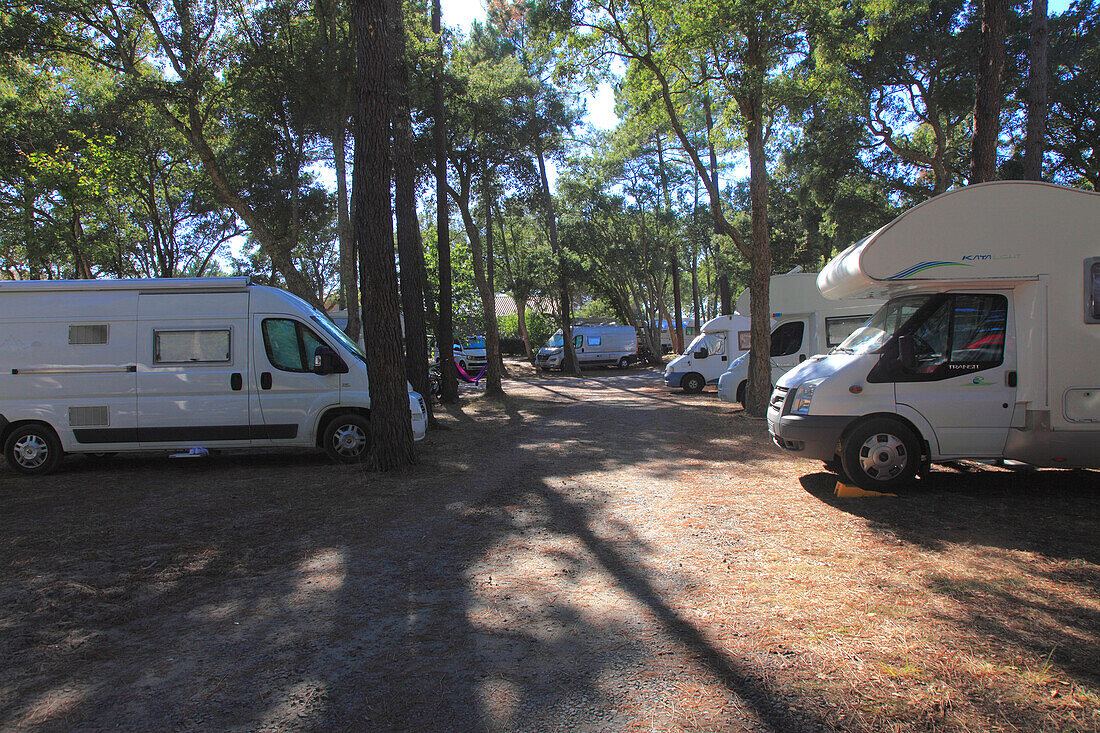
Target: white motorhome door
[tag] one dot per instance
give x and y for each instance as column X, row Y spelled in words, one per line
column 790, row 346
column 192, row 369
column 963, row 382
column 290, row 394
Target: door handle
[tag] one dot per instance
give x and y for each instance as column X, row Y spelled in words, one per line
column 1010, row 379
column 265, row 380
column 235, row 381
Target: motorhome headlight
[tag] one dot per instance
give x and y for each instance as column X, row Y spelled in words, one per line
column 804, row 395
column 739, row 360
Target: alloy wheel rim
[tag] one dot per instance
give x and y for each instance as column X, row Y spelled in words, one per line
column 349, row 440
column 31, row 451
column 883, row 456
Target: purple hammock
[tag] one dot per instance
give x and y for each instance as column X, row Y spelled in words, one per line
column 474, row 380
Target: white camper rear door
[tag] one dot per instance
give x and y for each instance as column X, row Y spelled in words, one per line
column 192, row 370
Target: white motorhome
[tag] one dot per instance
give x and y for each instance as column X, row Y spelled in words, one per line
column 102, row 366
column 705, row 359
column 804, row 323
column 988, row 347
column 595, row 345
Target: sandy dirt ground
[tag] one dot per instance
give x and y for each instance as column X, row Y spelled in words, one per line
column 588, row 554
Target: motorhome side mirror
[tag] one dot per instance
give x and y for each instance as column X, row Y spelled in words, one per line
column 906, row 355
column 326, row 361
column 701, row 353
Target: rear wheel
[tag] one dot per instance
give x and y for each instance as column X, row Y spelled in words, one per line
column 347, row 438
column 624, row 362
column 881, row 453
column 33, row 449
column 693, row 383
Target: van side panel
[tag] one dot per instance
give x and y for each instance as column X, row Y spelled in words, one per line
column 67, row 359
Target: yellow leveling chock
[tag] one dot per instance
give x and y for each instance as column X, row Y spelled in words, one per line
column 847, row 492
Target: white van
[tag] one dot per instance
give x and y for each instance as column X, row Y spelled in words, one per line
column 988, row 347
column 595, row 345
column 705, row 359
column 804, row 323
column 102, row 366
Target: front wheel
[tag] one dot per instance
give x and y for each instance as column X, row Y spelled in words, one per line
column 881, row 453
column 693, row 383
column 347, row 438
column 33, row 450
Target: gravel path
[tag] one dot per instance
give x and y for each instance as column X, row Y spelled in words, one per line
column 594, row 554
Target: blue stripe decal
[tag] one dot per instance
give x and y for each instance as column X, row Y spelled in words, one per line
column 922, row 266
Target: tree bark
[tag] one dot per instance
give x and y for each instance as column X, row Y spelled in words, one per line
column 987, row 105
column 390, row 419
column 493, row 387
column 1037, row 93
column 349, row 283
column 569, row 362
column 751, row 106
column 444, row 335
column 410, row 249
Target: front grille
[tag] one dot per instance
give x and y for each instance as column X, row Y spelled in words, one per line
column 423, row 407
column 542, row 357
column 779, row 396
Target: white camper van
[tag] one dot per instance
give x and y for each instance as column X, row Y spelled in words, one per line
column 101, row 366
column 595, row 345
column 988, row 347
column 803, row 324
column 723, row 339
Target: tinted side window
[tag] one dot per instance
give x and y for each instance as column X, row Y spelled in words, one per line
column 594, row 340
column 281, row 342
column 787, row 338
column 191, row 347
column 289, row 344
column 964, row 334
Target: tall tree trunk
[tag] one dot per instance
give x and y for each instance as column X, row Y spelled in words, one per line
column 493, row 386
column 390, row 420
column 1037, row 93
column 674, row 258
column 569, row 362
column 725, row 302
column 987, row 104
column 751, row 106
column 521, row 321
column 349, row 283
column 444, row 335
column 695, row 264
column 491, row 277
column 410, row 250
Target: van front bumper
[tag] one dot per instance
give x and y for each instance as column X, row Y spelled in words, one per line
column 810, row 436
column 672, row 379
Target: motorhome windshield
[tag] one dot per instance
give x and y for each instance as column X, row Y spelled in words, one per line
column 331, row 329
column 695, row 344
column 882, row 325
column 555, row 342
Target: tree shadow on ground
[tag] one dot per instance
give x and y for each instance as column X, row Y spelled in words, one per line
column 277, row 591
column 1020, row 556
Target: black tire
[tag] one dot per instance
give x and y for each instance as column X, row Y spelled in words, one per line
column 346, row 438
column 624, row 362
column 693, row 383
column 741, row 392
column 33, row 449
column 880, row 453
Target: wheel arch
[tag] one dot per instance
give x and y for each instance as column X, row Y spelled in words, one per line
column 899, row 417
column 7, row 428
column 330, row 414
